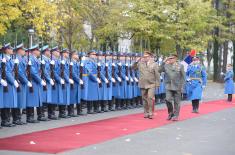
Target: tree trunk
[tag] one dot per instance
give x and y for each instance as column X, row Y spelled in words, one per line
column 234, row 56
column 225, row 56
column 179, row 51
column 215, row 60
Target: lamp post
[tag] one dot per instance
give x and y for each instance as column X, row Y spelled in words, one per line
column 31, row 33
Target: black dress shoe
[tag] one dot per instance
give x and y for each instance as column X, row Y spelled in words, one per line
column 175, row 118
column 7, row 124
column 150, row 117
column 32, row 121
column 170, row 117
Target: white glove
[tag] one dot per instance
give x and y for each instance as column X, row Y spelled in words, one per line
column 30, row 63
column 136, row 80
column 3, row 82
column 119, row 79
column 43, row 83
column 52, row 62
column 4, row 60
column 127, row 79
column 99, row 64
column 16, row 84
column 63, row 62
column 113, row 64
column 29, row 84
column 106, row 64
column 52, row 82
column 81, row 82
column 106, row 80
column 43, row 62
column 126, row 64
column 98, row 80
column 161, row 78
column 203, row 87
column 188, row 79
column 71, row 63
column 62, row 81
column 119, row 63
column 131, row 79
column 221, row 73
column 82, row 64
column 71, row 81
column 16, row 61
column 113, row 80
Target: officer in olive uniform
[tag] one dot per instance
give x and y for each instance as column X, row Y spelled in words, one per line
column 174, row 80
column 148, row 82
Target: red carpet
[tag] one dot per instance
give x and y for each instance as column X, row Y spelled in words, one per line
column 77, row 136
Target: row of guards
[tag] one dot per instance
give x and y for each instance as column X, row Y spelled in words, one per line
column 51, row 79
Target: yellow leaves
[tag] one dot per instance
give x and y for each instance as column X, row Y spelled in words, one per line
column 8, row 12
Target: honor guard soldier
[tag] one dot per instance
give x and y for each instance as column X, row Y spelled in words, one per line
column 64, row 75
column 228, row 82
column 57, row 96
column 46, row 74
column 21, row 76
column 111, row 76
column 92, row 81
column 9, row 91
column 174, row 80
column 34, row 96
column 117, row 83
column 196, row 81
column 75, row 90
column 122, row 81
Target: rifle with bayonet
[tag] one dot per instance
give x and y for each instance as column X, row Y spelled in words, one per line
column 106, row 71
column 98, row 71
column 28, row 70
column 4, row 76
column 71, row 70
column 62, row 71
column 127, row 69
column 81, row 71
column 52, row 73
column 113, row 71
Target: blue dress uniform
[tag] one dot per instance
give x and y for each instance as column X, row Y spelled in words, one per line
column 229, row 85
column 34, row 98
column 10, row 96
column 56, row 96
column 46, row 91
column 64, row 74
column 122, row 85
column 23, row 82
column 118, row 84
column 196, row 79
column 75, row 92
column 91, row 85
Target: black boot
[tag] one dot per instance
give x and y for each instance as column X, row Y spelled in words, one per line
column 106, row 105
column 89, row 107
column 5, row 116
column 79, row 109
column 51, row 112
column 111, row 104
column 30, row 115
column 16, row 115
column 197, row 106
column 96, row 106
column 71, row 111
column 62, row 112
column 230, row 97
column 102, row 106
column 193, row 106
column 41, row 114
